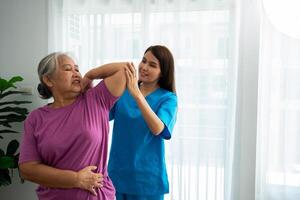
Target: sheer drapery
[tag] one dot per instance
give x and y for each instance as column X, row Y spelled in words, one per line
column 202, row 37
column 278, row 155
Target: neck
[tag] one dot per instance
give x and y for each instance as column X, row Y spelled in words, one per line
column 61, row 101
column 148, row 88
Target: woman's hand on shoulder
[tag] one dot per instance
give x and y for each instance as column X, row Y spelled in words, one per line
column 132, row 80
column 89, row 180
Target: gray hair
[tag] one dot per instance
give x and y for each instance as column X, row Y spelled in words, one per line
column 46, row 67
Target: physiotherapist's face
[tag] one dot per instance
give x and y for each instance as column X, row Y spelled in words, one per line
column 149, row 68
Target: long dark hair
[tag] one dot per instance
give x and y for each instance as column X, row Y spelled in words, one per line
column 166, row 62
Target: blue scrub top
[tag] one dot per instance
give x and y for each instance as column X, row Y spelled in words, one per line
column 137, row 157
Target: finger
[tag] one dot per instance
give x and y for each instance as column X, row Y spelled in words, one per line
column 97, row 175
column 131, row 67
column 130, row 75
column 93, row 191
column 128, row 66
column 100, row 180
column 98, row 185
column 127, row 76
column 133, row 70
column 92, row 168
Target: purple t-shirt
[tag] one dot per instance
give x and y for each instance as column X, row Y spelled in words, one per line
column 71, row 138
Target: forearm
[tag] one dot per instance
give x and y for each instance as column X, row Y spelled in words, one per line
column 49, row 176
column 105, row 70
column 155, row 125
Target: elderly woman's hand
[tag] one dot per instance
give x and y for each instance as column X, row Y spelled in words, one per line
column 89, row 180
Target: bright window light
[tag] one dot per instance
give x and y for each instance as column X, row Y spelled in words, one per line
column 284, row 15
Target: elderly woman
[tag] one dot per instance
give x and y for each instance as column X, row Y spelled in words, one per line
column 64, row 145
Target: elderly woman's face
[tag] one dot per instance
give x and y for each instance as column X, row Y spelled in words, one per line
column 66, row 77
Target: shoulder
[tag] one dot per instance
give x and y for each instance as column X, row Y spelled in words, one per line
column 126, row 94
column 36, row 114
column 166, row 95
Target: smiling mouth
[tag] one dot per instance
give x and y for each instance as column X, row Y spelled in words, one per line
column 142, row 74
column 76, row 82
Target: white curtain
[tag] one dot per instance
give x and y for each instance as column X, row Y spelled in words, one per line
column 278, row 137
column 201, row 34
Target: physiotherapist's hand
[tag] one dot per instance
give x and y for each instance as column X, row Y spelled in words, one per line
column 86, row 84
column 89, row 180
column 132, row 80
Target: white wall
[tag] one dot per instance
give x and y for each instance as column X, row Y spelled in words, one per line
column 23, row 42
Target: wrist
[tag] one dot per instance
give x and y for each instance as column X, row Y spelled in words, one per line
column 138, row 96
column 76, row 180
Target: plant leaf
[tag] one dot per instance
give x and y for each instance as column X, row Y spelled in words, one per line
column 1, row 153
column 9, row 115
column 6, row 162
column 18, row 110
column 5, row 120
column 12, row 147
column 7, row 131
column 16, row 161
column 4, row 84
column 13, row 118
column 14, row 102
column 4, row 94
column 5, row 123
column 4, row 177
column 15, row 79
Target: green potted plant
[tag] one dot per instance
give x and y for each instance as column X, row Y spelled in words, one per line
column 10, row 112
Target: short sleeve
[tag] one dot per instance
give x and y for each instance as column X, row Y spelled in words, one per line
column 28, row 148
column 167, row 113
column 104, row 96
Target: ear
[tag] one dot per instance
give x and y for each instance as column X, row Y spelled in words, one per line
column 47, row 81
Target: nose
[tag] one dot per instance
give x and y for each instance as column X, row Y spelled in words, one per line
column 76, row 73
column 145, row 67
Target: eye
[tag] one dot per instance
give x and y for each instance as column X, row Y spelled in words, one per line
column 68, row 68
column 76, row 68
column 144, row 60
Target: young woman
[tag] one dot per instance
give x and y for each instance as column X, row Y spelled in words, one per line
column 143, row 117
column 64, row 145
